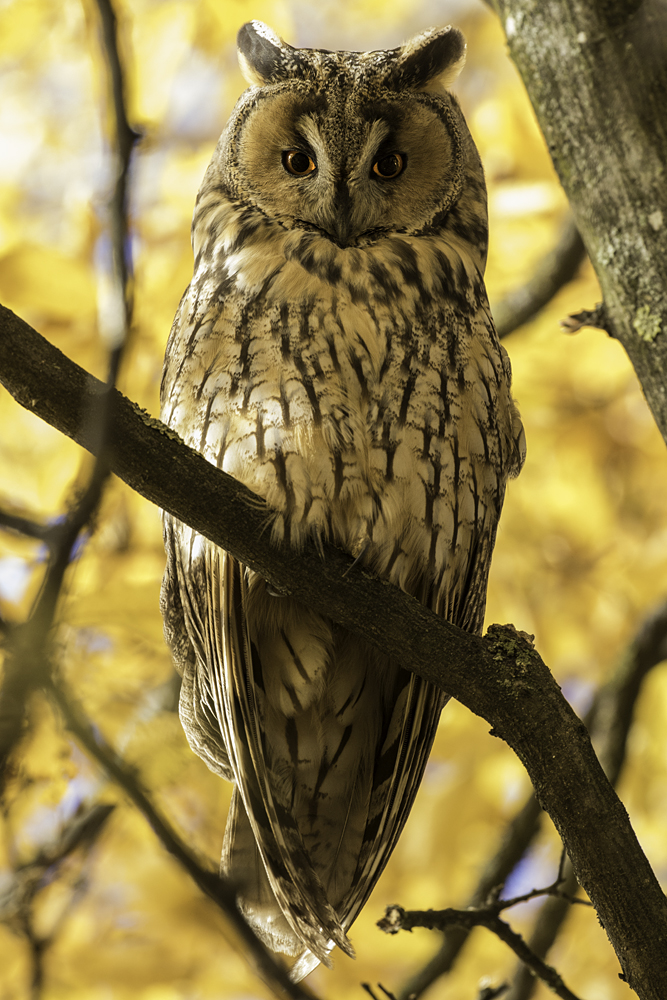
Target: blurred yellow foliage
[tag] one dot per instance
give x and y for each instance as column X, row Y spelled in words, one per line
column 581, row 554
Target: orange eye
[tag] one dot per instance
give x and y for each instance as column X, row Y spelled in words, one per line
column 298, row 163
column 390, row 166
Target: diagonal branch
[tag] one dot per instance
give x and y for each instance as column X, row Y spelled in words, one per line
column 609, row 721
column 500, row 677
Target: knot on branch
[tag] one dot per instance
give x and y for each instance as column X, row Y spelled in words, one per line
column 515, row 650
column 392, row 922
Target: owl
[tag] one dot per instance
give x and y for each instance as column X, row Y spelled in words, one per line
column 335, row 352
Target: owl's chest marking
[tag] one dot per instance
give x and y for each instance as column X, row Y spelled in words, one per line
column 357, row 391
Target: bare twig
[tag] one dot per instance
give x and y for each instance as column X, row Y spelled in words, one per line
column 597, row 318
column 549, row 922
column 553, row 272
column 124, row 139
column 217, row 888
column 397, row 919
column 613, row 710
column 369, row 989
column 556, row 889
column 30, row 878
column 28, row 643
column 24, row 526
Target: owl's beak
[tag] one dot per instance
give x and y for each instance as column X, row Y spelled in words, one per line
column 341, row 233
column 341, row 229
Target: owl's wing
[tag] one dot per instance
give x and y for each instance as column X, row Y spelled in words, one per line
column 397, row 772
column 398, row 769
column 403, row 753
column 202, row 601
column 236, row 689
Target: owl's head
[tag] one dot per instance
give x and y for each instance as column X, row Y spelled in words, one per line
column 353, row 145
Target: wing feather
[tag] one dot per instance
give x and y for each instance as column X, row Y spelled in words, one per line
column 297, row 887
column 396, row 780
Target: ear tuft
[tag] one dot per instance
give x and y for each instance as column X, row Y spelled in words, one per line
column 263, row 56
column 432, row 59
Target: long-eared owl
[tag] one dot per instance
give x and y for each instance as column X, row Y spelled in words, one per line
column 335, row 352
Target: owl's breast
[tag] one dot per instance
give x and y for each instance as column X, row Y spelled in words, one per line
column 362, row 398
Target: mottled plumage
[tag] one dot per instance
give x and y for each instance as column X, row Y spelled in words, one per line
column 335, row 352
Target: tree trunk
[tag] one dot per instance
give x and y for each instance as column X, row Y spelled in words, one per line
column 596, row 74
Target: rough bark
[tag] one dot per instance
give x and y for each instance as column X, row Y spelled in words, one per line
column 596, row 75
column 500, row 677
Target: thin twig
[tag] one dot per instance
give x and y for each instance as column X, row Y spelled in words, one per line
column 546, row 928
column 31, row 877
column 369, row 989
column 397, row 919
column 217, row 888
column 123, row 141
column 28, row 643
column 555, row 889
column 24, row 526
column 543, row 971
column 554, row 271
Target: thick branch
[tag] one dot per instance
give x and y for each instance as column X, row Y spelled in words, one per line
column 609, row 720
column 500, row 677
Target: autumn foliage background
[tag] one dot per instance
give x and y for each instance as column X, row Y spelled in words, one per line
column 581, row 554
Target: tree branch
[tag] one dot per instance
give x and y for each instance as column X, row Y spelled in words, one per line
column 397, row 919
column 554, row 271
column 499, row 677
column 609, row 721
column 216, row 888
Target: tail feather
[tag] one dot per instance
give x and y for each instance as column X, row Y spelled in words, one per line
column 242, row 863
column 297, row 888
column 325, row 773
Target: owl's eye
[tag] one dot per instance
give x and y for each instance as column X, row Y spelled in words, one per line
column 390, row 166
column 298, row 163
